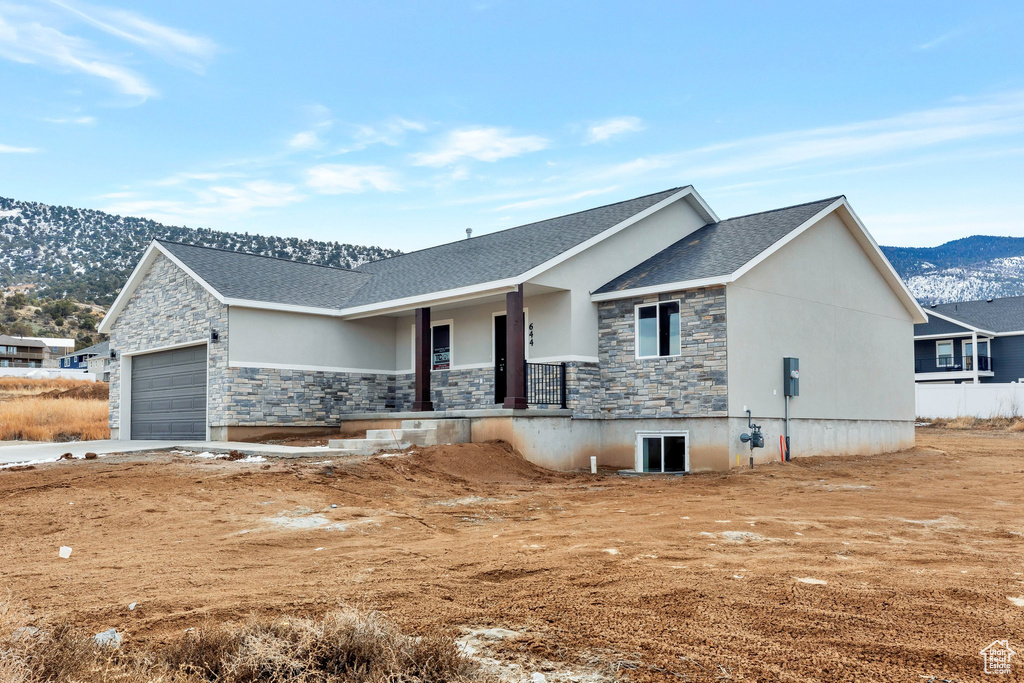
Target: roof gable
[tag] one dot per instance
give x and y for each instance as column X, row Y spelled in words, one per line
column 717, row 250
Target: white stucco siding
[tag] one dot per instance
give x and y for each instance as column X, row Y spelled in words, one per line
column 820, row 299
column 473, row 331
column 599, row 264
column 278, row 339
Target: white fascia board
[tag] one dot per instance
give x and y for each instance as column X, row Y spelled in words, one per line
column 141, row 268
column 882, row 263
column 129, row 286
column 961, row 323
column 948, row 335
column 448, row 296
column 284, row 308
column 658, row 289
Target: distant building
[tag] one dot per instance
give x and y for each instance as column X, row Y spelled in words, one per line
column 94, row 359
column 22, row 352
column 973, row 342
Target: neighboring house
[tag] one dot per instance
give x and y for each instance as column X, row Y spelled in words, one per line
column 22, row 352
column 55, row 348
column 654, row 324
column 89, row 359
column 971, row 342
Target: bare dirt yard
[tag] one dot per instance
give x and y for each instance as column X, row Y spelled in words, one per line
column 899, row 567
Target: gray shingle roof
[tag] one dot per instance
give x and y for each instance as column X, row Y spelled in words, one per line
column 717, row 249
column 495, row 256
column 237, row 275
column 937, row 325
column 7, row 340
column 486, row 258
column 1001, row 315
column 101, row 349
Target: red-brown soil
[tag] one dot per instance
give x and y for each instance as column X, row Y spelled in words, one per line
column 683, row 578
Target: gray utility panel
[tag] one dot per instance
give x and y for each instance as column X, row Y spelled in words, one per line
column 169, row 394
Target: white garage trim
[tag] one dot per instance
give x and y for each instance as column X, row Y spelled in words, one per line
column 125, row 357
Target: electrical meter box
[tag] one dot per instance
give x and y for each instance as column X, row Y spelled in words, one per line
column 791, row 376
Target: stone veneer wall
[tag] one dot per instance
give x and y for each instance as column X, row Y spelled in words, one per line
column 167, row 308
column 690, row 385
column 458, row 389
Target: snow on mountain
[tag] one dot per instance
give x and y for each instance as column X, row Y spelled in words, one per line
column 87, row 255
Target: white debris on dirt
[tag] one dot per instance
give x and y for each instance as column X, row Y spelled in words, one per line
column 611, row 551
column 476, row 644
column 467, row 500
column 742, row 536
column 253, row 458
column 303, row 518
column 206, row 455
column 131, row 607
column 1019, row 602
column 64, row 552
column 109, row 638
column 813, row 582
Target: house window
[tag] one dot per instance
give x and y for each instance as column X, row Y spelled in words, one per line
column 657, row 330
column 441, row 347
column 944, row 353
column 662, row 452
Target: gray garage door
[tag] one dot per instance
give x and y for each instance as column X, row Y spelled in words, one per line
column 169, row 394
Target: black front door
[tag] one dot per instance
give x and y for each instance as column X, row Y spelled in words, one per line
column 500, row 359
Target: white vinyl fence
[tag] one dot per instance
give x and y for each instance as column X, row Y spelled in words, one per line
column 47, row 373
column 974, row 400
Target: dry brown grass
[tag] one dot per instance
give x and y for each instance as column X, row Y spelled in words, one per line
column 345, row 646
column 1009, row 424
column 20, row 387
column 54, row 419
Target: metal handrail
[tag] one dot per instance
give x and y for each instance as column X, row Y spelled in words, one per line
column 546, row 384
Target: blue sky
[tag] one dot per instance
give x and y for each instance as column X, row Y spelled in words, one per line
column 403, row 123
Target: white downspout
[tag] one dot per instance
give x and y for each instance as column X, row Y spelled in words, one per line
column 974, row 353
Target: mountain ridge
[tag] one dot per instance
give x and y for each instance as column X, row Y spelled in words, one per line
column 87, row 254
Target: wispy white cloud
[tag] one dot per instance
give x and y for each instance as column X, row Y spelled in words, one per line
column 609, row 128
column 207, row 204
column 202, row 176
column 560, row 199
column 307, row 139
column 834, row 146
column 48, row 38
column 483, row 144
column 73, row 120
column 938, row 40
column 391, row 132
column 28, row 42
column 351, row 179
column 170, row 44
column 10, row 149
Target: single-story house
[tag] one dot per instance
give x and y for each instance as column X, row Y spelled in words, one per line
column 971, row 342
column 628, row 330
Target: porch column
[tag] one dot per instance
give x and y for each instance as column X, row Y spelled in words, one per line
column 421, row 397
column 974, row 352
column 515, row 341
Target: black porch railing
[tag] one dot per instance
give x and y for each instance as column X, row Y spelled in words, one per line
column 545, row 384
column 951, row 364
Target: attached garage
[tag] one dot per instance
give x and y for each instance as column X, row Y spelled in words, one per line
column 168, row 394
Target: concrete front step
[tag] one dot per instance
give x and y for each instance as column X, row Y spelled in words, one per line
column 411, row 433
column 423, row 437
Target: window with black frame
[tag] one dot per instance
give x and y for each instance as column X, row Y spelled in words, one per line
column 657, row 330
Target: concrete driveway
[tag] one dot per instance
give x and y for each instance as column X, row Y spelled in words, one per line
column 25, row 453
column 49, row 452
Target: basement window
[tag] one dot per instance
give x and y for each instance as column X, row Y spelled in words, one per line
column 662, row 452
column 657, row 330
